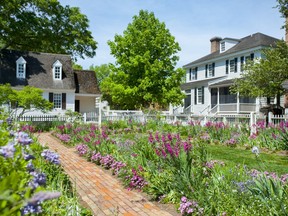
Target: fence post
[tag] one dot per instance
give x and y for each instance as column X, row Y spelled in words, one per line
column 252, row 123
column 84, row 117
column 270, row 115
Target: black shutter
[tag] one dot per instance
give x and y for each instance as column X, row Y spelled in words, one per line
column 202, row 94
column 51, row 97
column 268, row 100
column 206, row 70
column 195, row 96
column 213, row 69
column 235, row 65
column 241, row 63
column 63, row 101
column 252, row 56
column 227, row 66
column 190, row 74
column 196, row 72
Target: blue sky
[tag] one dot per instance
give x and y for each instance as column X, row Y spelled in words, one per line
column 192, row 22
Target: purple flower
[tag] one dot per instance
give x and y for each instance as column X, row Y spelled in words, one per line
column 28, row 157
column 30, row 167
column 116, row 166
column 42, row 196
column 51, row 156
column 31, row 208
column 107, row 161
column 82, row 149
column 39, row 179
column 96, row 157
column 8, row 150
column 23, row 138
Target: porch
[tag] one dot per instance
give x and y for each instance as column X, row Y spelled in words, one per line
column 223, row 101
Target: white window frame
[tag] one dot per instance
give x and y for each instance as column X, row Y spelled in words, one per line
column 199, row 95
column 57, row 70
column 21, row 68
column 57, row 100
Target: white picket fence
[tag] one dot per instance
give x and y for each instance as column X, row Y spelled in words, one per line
column 115, row 115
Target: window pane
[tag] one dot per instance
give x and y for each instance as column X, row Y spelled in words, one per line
column 57, row 101
column 232, row 65
column 21, row 71
column 199, row 96
column 57, row 73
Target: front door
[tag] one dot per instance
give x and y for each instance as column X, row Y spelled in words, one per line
column 77, row 105
column 214, row 95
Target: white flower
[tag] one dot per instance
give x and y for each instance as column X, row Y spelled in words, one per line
column 255, row 150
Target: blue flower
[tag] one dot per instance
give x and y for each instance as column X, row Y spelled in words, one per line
column 50, row 156
column 31, row 208
column 8, row 150
column 38, row 180
column 23, row 138
column 30, row 167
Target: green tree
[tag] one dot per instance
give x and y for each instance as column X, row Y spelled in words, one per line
column 101, row 71
column 265, row 77
column 28, row 99
column 45, row 26
column 76, row 66
column 144, row 73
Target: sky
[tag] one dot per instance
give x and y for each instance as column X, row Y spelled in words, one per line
column 192, row 22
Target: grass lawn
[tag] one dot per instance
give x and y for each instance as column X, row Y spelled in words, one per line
column 271, row 162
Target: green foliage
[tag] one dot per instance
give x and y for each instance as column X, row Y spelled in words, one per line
column 76, row 66
column 101, row 71
column 17, row 172
column 48, row 27
column 144, row 73
column 28, row 98
column 265, row 77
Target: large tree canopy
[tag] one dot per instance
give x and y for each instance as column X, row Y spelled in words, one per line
column 144, row 73
column 265, row 77
column 45, row 26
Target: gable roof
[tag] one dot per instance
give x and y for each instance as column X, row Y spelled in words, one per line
column 39, row 70
column 86, row 82
column 249, row 42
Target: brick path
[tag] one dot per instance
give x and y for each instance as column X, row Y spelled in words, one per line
column 101, row 191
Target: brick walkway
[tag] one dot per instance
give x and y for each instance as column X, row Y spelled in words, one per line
column 101, row 191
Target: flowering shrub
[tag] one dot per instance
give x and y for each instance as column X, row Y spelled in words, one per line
column 175, row 162
column 188, row 207
column 82, row 149
column 31, row 180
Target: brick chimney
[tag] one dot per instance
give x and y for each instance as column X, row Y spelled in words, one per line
column 215, row 44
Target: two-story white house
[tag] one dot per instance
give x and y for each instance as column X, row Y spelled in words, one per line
column 208, row 78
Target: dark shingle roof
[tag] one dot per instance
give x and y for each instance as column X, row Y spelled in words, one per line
column 251, row 41
column 86, row 82
column 39, row 71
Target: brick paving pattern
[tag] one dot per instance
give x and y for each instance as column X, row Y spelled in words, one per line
column 100, row 191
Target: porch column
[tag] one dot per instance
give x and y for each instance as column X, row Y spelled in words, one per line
column 238, row 102
column 218, row 100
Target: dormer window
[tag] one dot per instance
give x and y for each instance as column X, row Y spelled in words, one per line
column 222, row 44
column 57, row 70
column 21, row 68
